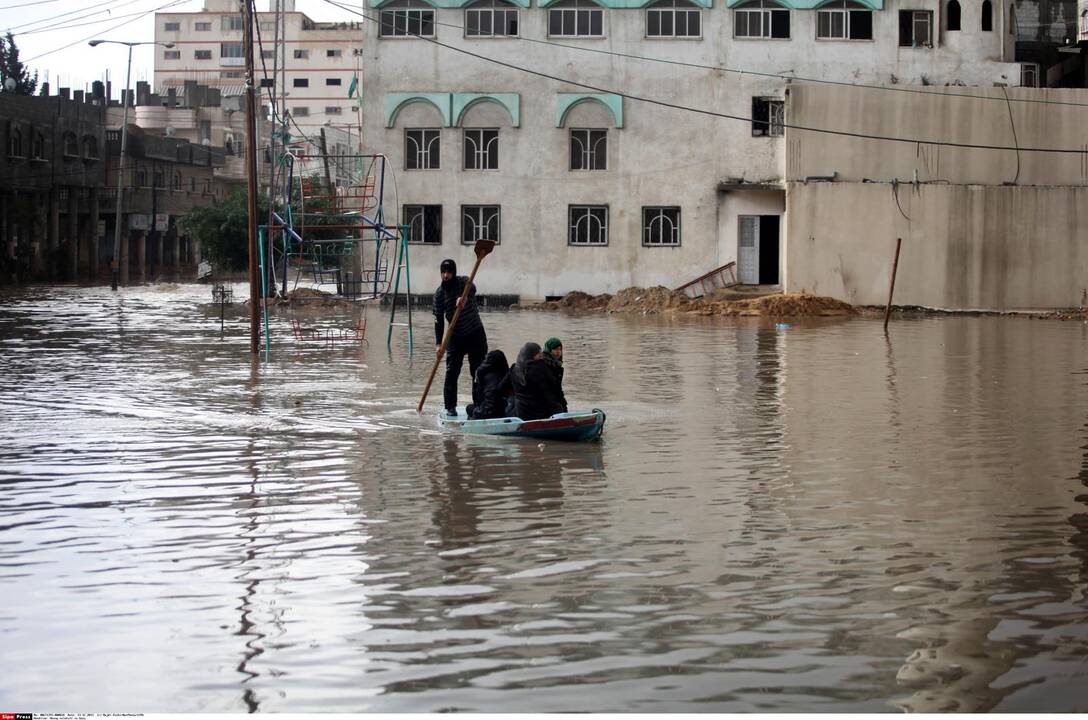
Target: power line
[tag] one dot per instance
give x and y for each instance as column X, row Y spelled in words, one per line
column 755, row 73
column 74, row 24
column 712, row 113
column 70, row 12
column 28, row 4
column 107, row 30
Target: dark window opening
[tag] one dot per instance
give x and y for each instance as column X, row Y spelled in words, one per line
column 953, row 12
column 987, row 16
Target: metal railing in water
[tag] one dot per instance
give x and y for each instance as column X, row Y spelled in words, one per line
column 717, row 279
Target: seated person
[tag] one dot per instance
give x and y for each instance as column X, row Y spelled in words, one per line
column 553, row 358
column 490, row 388
column 536, row 388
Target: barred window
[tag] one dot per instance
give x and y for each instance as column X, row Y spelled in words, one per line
column 575, row 18
column 768, row 117
column 660, row 226
column 491, row 18
column 844, row 20
column 171, row 27
column 202, row 54
column 482, row 149
column 424, row 224
column 203, row 26
column 673, row 18
column 408, row 19
column 588, row 149
column 479, row 222
column 422, row 148
column 588, row 225
column 232, row 22
column 761, row 19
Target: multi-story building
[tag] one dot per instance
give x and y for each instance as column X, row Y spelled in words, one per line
column 316, row 65
column 620, row 142
column 51, row 178
column 1046, row 35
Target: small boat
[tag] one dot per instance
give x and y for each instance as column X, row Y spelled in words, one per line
column 574, row 426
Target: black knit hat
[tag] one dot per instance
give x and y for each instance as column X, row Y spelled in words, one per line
column 449, row 266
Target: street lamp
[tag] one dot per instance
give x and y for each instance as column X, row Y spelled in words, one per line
column 116, row 263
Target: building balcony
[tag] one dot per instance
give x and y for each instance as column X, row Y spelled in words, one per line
column 232, row 61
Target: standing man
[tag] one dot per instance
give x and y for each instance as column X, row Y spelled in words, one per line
column 466, row 338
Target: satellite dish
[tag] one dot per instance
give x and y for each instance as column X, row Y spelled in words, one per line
column 206, row 142
column 9, row 84
column 170, row 131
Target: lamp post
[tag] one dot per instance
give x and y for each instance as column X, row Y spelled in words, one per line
column 115, row 264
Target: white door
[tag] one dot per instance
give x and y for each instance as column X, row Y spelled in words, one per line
column 748, row 250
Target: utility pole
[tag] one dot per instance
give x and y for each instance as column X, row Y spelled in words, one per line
column 251, row 177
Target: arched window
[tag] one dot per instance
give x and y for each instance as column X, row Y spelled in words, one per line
column 177, row 181
column 90, row 147
column 15, row 142
column 1012, row 19
column 953, row 14
column 192, row 184
column 844, row 20
column 761, row 19
column 575, row 18
column 407, row 18
column 71, row 145
column 674, row 18
column 491, row 18
column 37, row 147
column 987, row 16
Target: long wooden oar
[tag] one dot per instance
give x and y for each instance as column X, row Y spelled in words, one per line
column 483, row 248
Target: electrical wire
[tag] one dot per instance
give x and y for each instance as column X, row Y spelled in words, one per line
column 1014, row 140
column 712, row 113
column 79, row 24
column 27, row 4
column 53, row 18
column 756, row 73
column 107, row 30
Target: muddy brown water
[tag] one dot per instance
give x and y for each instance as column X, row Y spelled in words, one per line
column 801, row 518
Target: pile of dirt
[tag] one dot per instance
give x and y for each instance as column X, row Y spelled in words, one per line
column 786, row 305
column 311, row 297
column 646, row 300
column 659, row 299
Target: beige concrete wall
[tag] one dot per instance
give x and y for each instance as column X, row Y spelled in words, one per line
column 933, row 117
column 964, row 246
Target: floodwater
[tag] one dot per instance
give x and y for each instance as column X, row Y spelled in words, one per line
column 802, row 518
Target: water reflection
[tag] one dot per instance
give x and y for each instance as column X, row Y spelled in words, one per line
column 811, row 517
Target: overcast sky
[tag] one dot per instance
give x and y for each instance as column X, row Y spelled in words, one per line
column 42, row 44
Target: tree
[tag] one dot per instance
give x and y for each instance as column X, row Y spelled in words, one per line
column 223, row 230
column 12, row 67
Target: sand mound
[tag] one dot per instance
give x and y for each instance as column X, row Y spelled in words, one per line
column 313, row 296
column 660, row 299
column 645, row 300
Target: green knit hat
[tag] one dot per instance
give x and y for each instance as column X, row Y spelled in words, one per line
column 552, row 343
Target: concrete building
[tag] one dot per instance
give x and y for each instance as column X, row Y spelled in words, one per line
column 1046, row 44
column 164, row 178
column 581, row 153
column 318, row 60
column 52, row 172
column 982, row 228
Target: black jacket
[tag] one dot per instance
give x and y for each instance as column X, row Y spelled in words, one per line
column 445, row 303
column 536, row 388
column 491, row 387
column 556, row 368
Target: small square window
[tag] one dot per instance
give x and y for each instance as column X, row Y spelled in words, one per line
column 333, row 82
column 333, row 110
column 588, row 149
column 421, row 149
column 300, row 82
column 768, row 117
column 333, row 53
column 301, row 111
column 481, row 149
column 480, row 222
column 203, row 26
column 171, row 55
column 171, row 27
column 202, row 54
column 232, row 23
column 424, row 224
column 587, row 225
column 302, row 54
column 915, row 28
column 661, row 227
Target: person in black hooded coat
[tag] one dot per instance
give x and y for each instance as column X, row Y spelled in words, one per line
column 536, row 388
column 491, row 388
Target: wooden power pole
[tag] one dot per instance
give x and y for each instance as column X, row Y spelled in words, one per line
column 251, row 178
